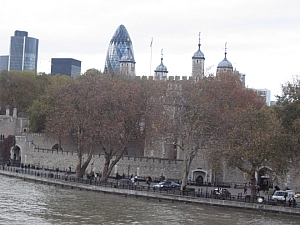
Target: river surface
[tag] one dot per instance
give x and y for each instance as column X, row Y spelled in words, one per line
column 25, row 202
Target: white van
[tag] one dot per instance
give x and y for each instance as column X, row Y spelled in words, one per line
column 283, row 195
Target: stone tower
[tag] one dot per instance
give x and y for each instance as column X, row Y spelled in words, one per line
column 161, row 71
column 224, row 66
column 198, row 64
column 127, row 63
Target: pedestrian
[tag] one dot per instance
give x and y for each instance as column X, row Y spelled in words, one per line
column 294, row 203
column 245, row 188
column 135, row 179
column 257, row 189
column 148, row 180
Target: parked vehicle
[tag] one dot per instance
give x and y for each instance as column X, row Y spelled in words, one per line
column 283, row 195
column 166, row 185
column 221, row 193
column 124, row 182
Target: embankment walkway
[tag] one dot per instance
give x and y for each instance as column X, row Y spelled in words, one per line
column 44, row 177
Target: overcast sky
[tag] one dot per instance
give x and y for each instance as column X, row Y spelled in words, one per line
column 262, row 35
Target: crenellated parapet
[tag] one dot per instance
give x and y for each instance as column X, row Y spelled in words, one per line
column 167, row 78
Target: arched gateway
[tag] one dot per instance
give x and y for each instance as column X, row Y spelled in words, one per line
column 15, row 155
column 264, row 178
column 199, row 176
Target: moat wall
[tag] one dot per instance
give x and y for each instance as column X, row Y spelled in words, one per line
column 45, row 157
column 35, row 149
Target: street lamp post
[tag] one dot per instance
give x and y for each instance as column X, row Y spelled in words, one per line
column 128, row 170
column 207, row 176
column 92, row 166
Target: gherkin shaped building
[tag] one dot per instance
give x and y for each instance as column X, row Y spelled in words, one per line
column 119, row 46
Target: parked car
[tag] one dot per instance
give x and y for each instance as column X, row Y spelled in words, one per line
column 283, row 195
column 221, row 193
column 124, row 182
column 166, row 185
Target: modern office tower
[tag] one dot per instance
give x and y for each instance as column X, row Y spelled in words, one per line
column 65, row 66
column 265, row 94
column 23, row 53
column 4, row 62
column 117, row 49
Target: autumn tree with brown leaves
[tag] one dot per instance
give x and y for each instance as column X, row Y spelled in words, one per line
column 254, row 139
column 250, row 136
column 101, row 114
column 197, row 114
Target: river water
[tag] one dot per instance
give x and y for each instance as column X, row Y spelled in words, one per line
column 25, row 202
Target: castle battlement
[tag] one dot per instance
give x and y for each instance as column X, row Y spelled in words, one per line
column 167, row 78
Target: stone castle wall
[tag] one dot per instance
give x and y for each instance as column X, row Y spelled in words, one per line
column 33, row 151
column 52, row 159
column 141, row 166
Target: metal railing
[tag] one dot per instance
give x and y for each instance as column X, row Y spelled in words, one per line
column 141, row 186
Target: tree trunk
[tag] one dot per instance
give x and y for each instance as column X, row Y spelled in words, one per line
column 188, row 158
column 253, row 185
column 105, row 173
column 80, row 168
column 108, row 165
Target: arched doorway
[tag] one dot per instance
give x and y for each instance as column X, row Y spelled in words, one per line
column 199, row 181
column 15, row 156
column 199, row 177
column 264, row 178
column 57, row 147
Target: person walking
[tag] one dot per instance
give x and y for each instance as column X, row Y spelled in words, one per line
column 245, row 188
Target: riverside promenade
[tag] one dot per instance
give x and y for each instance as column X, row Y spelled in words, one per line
column 48, row 178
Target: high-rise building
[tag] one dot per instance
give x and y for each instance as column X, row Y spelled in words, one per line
column 23, row 53
column 119, row 45
column 265, row 94
column 4, row 62
column 65, row 66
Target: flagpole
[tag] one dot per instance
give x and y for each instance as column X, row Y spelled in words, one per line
column 151, row 55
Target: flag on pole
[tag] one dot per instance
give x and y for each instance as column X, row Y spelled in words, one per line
column 151, row 42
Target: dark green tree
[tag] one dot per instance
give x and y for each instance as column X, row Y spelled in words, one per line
column 18, row 89
column 38, row 111
column 288, row 111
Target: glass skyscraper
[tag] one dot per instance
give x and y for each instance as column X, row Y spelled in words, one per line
column 65, row 66
column 4, row 62
column 117, row 48
column 23, row 53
